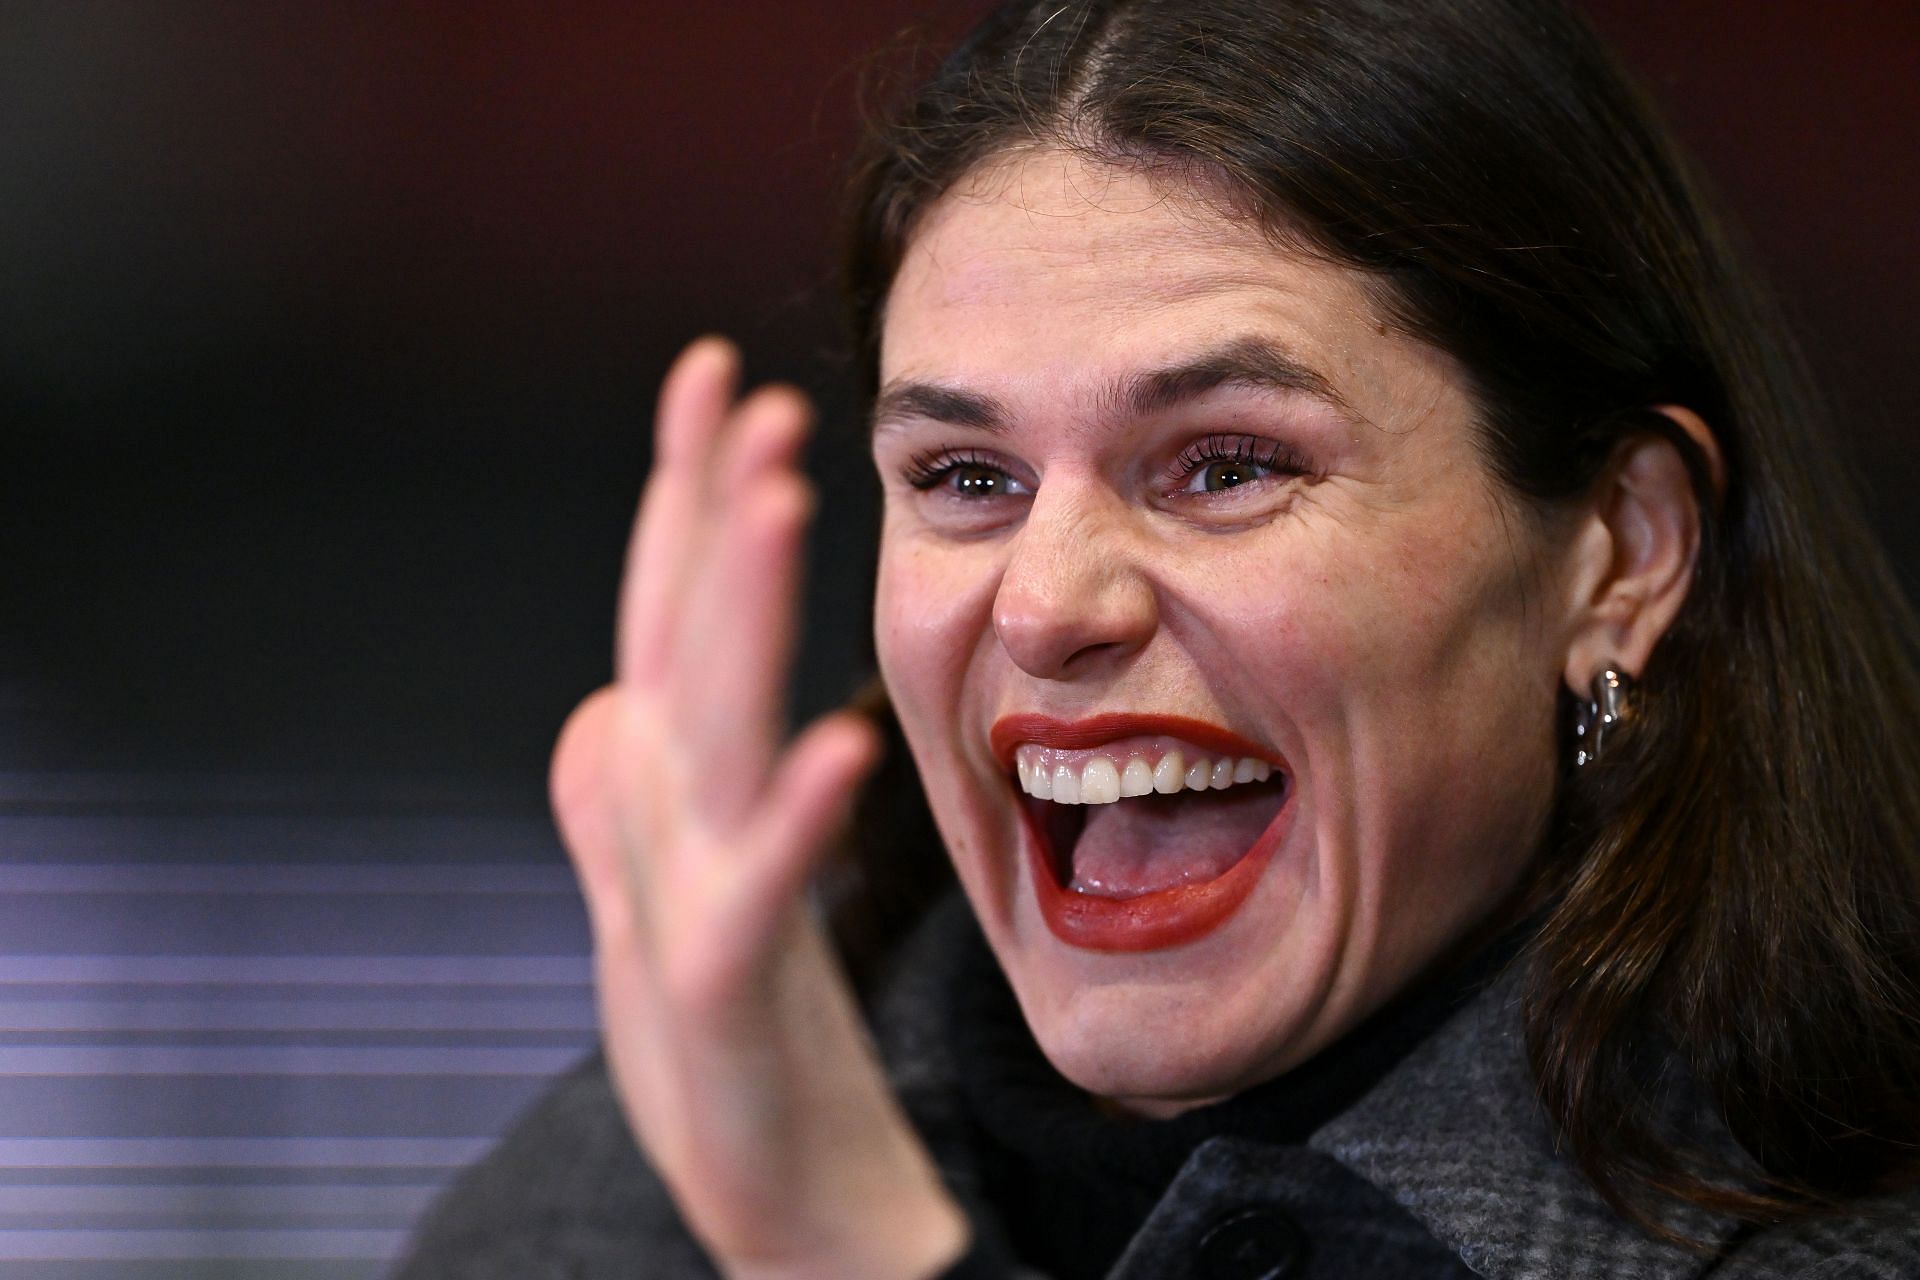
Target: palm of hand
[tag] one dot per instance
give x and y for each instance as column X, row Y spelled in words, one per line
column 733, row 1040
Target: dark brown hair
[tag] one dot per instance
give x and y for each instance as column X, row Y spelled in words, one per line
column 1737, row 879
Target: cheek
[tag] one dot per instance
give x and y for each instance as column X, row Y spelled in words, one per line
column 1317, row 625
column 931, row 619
column 909, row 619
column 1425, row 613
column 1405, row 662
column 931, row 614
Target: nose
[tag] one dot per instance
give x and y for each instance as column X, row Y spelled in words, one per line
column 1074, row 594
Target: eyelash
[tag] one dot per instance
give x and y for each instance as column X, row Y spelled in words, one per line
column 1270, row 455
column 925, row 471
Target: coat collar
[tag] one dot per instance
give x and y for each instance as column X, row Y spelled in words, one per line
column 1456, row 1135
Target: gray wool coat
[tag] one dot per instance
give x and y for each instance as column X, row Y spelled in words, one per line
column 1444, row 1169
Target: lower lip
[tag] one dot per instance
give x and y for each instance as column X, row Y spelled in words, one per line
column 1155, row 921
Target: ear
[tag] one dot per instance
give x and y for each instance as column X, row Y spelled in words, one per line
column 1635, row 551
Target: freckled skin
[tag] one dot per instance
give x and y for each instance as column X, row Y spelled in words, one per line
column 1390, row 622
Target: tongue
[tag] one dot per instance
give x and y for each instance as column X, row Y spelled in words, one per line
column 1147, row 843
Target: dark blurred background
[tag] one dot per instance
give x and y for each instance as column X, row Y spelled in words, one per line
column 329, row 336
column 330, row 333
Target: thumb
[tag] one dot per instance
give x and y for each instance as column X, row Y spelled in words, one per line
column 579, row 786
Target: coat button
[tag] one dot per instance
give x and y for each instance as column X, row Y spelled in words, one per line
column 1257, row 1243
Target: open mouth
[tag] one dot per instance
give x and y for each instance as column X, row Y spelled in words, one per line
column 1147, row 842
column 1143, row 845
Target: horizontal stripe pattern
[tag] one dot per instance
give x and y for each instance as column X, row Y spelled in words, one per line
column 305, row 971
column 562, row 1011
column 169, row 1200
column 248, row 1031
column 186, row 1244
column 225, row 881
column 299, row 1060
column 239, row 1153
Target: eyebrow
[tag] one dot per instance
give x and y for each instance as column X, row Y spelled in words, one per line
column 1242, row 362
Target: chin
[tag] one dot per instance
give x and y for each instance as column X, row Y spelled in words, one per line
column 1161, row 1030
column 1153, row 1075
column 1159, row 1049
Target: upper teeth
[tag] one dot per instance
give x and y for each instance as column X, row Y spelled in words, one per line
column 1081, row 778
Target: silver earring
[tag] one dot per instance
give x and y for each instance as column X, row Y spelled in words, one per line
column 1598, row 715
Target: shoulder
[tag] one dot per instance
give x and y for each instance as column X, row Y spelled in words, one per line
column 565, row 1193
column 1876, row 1239
column 1457, row 1137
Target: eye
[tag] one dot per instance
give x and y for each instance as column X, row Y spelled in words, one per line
column 1216, row 476
column 964, row 475
column 1220, row 463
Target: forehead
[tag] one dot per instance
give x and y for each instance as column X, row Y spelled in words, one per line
column 1065, row 217
column 1048, row 267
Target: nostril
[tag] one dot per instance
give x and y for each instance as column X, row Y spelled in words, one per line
column 1058, row 647
column 1070, row 598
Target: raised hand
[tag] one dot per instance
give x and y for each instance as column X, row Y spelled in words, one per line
column 734, row 1042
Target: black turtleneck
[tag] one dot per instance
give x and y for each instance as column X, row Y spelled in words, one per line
column 1071, row 1182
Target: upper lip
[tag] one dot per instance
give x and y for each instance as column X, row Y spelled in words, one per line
column 1010, row 731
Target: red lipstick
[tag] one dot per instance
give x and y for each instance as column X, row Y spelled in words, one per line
column 1009, row 732
column 1162, row 918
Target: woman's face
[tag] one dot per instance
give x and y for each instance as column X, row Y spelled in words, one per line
column 1160, row 496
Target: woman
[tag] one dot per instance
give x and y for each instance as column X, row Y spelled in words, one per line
column 1399, row 683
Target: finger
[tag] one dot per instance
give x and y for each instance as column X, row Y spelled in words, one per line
column 729, row 708
column 578, row 785
column 736, row 646
column 807, row 802
column 695, row 398
column 770, row 427
column 694, row 403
